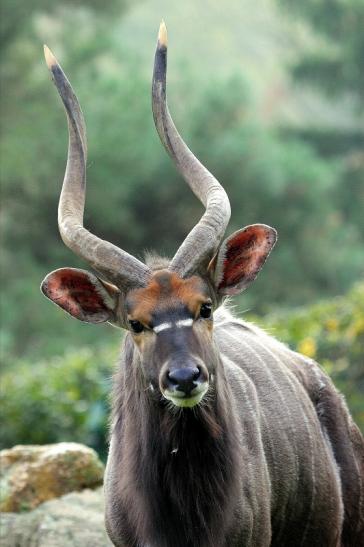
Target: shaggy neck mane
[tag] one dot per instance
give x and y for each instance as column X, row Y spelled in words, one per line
column 179, row 465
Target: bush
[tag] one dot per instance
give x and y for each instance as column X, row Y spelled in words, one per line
column 62, row 399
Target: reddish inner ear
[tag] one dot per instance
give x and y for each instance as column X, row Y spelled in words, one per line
column 77, row 292
column 243, row 256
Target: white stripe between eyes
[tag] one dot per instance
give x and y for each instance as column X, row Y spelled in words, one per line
column 178, row 324
column 162, row 326
column 184, row 323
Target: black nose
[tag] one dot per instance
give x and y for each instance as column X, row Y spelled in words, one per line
column 183, row 379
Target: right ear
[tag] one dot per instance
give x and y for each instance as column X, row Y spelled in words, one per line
column 82, row 295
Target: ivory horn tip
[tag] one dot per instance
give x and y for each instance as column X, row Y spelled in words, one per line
column 50, row 58
column 162, row 35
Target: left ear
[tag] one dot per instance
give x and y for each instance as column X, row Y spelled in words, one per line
column 241, row 257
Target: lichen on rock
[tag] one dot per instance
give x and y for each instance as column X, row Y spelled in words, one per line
column 74, row 520
column 30, row 475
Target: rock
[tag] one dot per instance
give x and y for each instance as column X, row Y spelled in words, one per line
column 74, row 520
column 30, row 475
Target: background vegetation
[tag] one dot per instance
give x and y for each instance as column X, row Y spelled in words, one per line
column 268, row 93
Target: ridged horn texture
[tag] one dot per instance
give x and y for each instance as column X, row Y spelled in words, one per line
column 113, row 263
column 204, row 239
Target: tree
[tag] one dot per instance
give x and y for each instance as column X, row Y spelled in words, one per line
column 17, row 15
column 336, row 64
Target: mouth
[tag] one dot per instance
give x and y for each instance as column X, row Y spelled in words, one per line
column 180, row 399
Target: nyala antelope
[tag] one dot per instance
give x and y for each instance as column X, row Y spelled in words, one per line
column 220, row 435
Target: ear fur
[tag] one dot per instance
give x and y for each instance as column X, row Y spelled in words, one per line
column 241, row 257
column 81, row 294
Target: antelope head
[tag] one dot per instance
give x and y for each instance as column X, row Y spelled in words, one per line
column 168, row 310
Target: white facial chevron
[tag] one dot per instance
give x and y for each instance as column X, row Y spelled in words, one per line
column 179, row 324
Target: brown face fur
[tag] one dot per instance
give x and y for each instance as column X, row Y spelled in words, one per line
column 173, row 333
column 165, row 291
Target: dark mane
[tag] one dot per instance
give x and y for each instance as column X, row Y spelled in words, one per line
column 181, row 466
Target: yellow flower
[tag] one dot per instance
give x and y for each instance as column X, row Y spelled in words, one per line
column 359, row 326
column 332, row 324
column 308, row 347
column 356, row 329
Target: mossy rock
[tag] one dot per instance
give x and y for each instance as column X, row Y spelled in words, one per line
column 74, row 520
column 31, row 474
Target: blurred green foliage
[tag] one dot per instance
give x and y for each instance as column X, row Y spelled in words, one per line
column 16, row 13
column 66, row 398
column 62, row 399
column 337, row 66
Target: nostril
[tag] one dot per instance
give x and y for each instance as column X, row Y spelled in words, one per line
column 197, row 373
column 172, row 378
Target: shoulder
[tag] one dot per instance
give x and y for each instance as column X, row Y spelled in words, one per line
column 235, row 335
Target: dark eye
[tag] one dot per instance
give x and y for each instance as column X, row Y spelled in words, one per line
column 136, row 326
column 206, row 310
